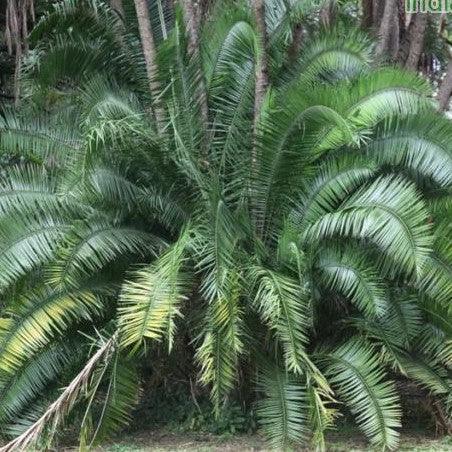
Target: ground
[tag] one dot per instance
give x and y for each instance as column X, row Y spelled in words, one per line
column 161, row 441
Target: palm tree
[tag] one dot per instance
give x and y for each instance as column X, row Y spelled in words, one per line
column 322, row 260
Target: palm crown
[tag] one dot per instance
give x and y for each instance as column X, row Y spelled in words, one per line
column 315, row 250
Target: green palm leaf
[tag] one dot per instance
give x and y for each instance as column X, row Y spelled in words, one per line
column 34, row 319
column 89, row 247
column 150, row 301
column 391, row 214
column 355, row 371
column 222, row 343
column 282, row 411
column 283, row 306
column 112, row 395
column 350, row 273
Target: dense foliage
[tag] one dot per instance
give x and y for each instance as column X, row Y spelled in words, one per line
column 305, row 253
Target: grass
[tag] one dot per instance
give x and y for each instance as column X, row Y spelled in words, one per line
column 190, row 442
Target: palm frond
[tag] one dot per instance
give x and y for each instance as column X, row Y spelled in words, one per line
column 26, row 188
column 355, row 371
column 420, row 143
column 89, row 247
column 32, row 320
column 282, row 411
column 390, row 213
column 64, row 403
column 39, row 137
column 26, row 243
column 283, row 306
column 350, row 273
column 150, row 300
column 335, row 181
column 112, row 395
column 222, row 342
column 430, row 376
column 27, row 383
column 335, row 56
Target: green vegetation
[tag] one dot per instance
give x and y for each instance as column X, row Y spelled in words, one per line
column 335, row 443
column 186, row 206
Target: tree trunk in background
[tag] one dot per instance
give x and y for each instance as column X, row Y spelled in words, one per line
column 415, row 40
column 403, row 26
column 16, row 36
column 378, row 7
column 262, row 62
column 192, row 24
column 295, row 46
column 192, row 15
column 367, row 14
column 388, row 33
column 150, row 58
column 328, row 13
column 445, row 88
column 17, row 69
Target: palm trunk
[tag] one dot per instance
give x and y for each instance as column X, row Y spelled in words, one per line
column 415, row 40
column 445, row 88
column 378, row 7
column 17, row 69
column 328, row 13
column 150, row 58
column 367, row 14
column 295, row 46
column 193, row 23
column 262, row 63
column 16, row 39
column 260, row 89
column 388, row 33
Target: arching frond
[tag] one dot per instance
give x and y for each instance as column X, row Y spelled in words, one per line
column 382, row 93
column 390, row 213
column 283, row 306
column 27, row 243
column 93, row 18
column 112, row 395
column 397, row 332
column 437, row 343
column 222, row 343
column 17, row 390
column 282, row 412
column 32, row 320
column 39, row 137
column 360, row 381
column 350, row 273
column 53, row 415
column 231, row 90
column 435, row 279
column 150, row 300
column 336, row 55
column 336, row 179
column 27, row 188
column 283, row 157
column 224, row 37
column 430, row 376
column 420, row 143
column 373, row 97
column 89, row 247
